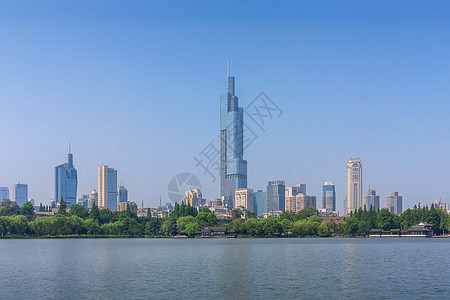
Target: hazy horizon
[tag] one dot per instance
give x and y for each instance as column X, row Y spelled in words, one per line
column 136, row 86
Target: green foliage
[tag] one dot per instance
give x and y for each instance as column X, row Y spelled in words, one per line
column 9, row 208
column 153, row 227
column 94, row 214
column 184, row 221
column 183, row 210
column 251, row 214
column 62, row 207
column 79, row 211
column 27, row 209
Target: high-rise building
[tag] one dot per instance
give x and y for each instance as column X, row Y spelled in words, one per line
column 260, row 202
column 20, row 193
column 93, row 199
column 4, row 193
column 276, row 195
column 122, row 195
column 295, row 190
column 394, row 203
column 299, row 202
column 233, row 167
column 193, row 197
column 132, row 205
column 329, row 197
column 372, row 199
column 66, row 181
column 83, row 200
column 107, row 188
column 243, row 198
column 354, row 184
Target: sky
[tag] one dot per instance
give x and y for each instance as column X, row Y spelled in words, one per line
column 136, row 85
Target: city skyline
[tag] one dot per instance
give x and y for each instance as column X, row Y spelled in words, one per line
column 357, row 62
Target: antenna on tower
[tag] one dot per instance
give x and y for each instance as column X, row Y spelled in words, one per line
column 160, row 200
column 142, row 204
column 69, row 148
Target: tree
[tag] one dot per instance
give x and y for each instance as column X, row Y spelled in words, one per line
column 236, row 213
column 95, row 213
column 19, row 224
column 79, row 211
column 9, row 208
column 27, row 209
column 153, row 227
column 41, row 208
column 286, row 225
column 5, row 224
column 324, row 229
column 191, row 228
column 62, row 207
column 251, row 214
column 106, row 216
column 184, row 221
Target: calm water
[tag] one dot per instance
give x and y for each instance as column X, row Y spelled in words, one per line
column 224, row 268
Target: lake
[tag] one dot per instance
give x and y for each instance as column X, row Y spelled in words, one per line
column 225, row 268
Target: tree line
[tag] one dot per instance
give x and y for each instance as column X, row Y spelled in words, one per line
column 186, row 220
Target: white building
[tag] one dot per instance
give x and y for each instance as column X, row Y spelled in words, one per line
column 243, row 198
column 354, row 185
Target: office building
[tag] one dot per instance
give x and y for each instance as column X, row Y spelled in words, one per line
column 107, row 188
column 295, row 190
column 276, row 195
column 20, row 193
column 260, row 202
column 329, row 197
column 193, row 197
column 66, row 182
column 122, row 195
column 394, row 203
column 233, row 167
column 132, row 205
column 243, row 198
column 299, row 202
column 371, row 199
column 83, row 200
column 4, row 193
column 354, row 184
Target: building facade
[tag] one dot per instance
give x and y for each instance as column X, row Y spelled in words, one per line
column 276, row 190
column 300, row 202
column 295, row 190
column 329, row 197
column 394, row 202
column 83, row 200
column 122, row 195
column 107, row 188
column 4, row 193
column 132, row 205
column 93, row 199
column 371, row 199
column 243, row 198
column 193, row 197
column 233, row 167
column 20, row 193
column 354, row 185
column 66, row 181
column 260, row 202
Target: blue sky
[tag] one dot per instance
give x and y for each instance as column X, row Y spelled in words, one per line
column 136, row 85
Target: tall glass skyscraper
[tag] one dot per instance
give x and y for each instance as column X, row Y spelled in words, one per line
column 372, row 199
column 329, row 197
column 260, row 202
column 66, row 181
column 276, row 195
column 20, row 193
column 4, row 193
column 233, row 167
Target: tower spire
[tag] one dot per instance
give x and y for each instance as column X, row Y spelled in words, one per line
column 228, row 72
column 69, row 148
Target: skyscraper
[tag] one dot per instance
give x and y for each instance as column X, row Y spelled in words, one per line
column 372, row 199
column 394, row 203
column 122, row 195
column 107, row 188
column 295, row 190
column 260, row 202
column 233, row 167
column 193, row 197
column 329, row 197
column 276, row 195
column 20, row 193
column 66, row 181
column 354, row 184
column 4, row 193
